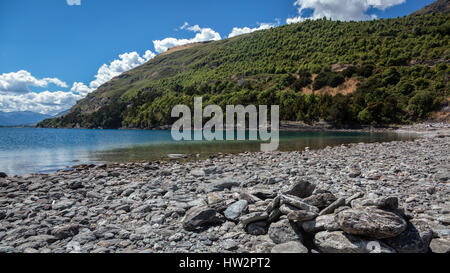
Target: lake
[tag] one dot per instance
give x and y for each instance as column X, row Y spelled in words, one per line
column 33, row 150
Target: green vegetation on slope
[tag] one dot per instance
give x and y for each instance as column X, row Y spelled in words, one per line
column 401, row 65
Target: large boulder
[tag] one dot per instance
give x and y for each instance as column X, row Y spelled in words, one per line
column 284, row 231
column 3, row 175
column 415, row 239
column 236, row 210
column 199, row 216
column 339, row 242
column 290, row 247
column 301, row 189
column 371, row 222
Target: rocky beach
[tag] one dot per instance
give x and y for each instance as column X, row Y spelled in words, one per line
column 380, row 197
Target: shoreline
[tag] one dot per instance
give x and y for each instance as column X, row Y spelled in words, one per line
column 228, row 203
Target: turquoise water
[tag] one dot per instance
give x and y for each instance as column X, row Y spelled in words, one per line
column 32, row 150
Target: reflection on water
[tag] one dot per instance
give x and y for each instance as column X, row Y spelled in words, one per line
column 32, row 150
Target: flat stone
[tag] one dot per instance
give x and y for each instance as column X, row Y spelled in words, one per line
column 290, row 247
column 298, row 203
column 321, row 200
column 222, row 184
column 66, row 231
column 389, row 203
column 440, row 245
column 321, row 223
column 339, row 242
column 236, row 210
column 302, row 216
column 253, row 217
column 284, row 231
column 371, row 222
column 61, row 205
column 331, row 208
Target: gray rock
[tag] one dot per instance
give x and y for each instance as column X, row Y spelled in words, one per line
column 251, row 199
column 349, row 200
column 331, row 208
column 301, row 189
column 298, row 203
column 198, row 173
column 230, row 244
column 274, row 215
column 263, row 192
column 257, row 228
column 199, row 216
column 65, row 231
column 321, row 223
column 321, row 200
column 371, row 222
column 284, row 231
column 443, row 176
column 290, row 247
column 3, row 175
column 389, row 203
column 302, row 216
column 221, row 184
column 440, row 245
column 415, row 239
column 236, row 210
column 75, row 185
column 253, row 217
column 61, row 205
column 339, row 242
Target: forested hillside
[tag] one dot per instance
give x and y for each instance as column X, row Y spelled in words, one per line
column 347, row 73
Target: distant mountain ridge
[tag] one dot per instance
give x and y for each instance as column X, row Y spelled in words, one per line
column 21, row 118
column 439, row 6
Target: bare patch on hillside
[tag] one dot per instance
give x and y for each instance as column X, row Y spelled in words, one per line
column 348, row 87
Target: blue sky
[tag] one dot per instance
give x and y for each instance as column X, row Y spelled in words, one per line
column 59, row 48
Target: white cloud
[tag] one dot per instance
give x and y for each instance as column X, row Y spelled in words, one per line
column 125, row 62
column 45, row 102
column 203, row 35
column 344, row 10
column 239, row 31
column 74, row 2
column 80, row 89
column 19, row 82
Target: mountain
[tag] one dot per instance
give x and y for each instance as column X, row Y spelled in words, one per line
column 439, row 6
column 372, row 72
column 21, row 118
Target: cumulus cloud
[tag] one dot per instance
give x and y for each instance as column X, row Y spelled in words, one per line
column 125, row 62
column 45, row 102
column 344, row 10
column 239, row 31
column 203, row 35
column 20, row 81
column 74, row 2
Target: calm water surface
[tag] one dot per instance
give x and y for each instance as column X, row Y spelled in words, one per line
column 32, row 150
